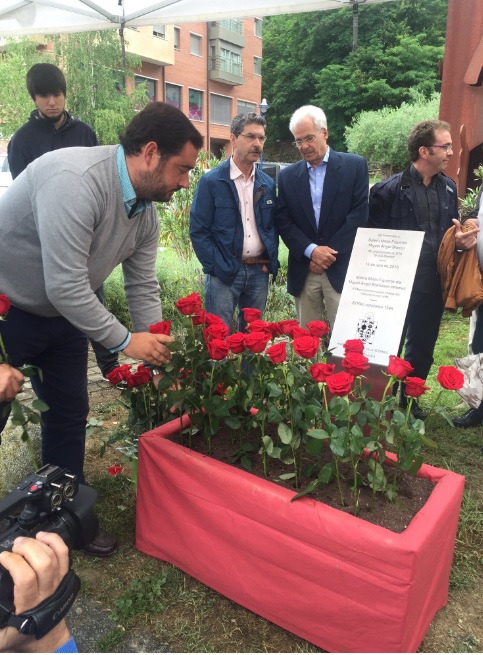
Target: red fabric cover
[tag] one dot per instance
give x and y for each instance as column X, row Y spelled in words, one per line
column 335, row 580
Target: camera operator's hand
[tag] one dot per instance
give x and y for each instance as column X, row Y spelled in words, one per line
column 10, row 382
column 37, row 567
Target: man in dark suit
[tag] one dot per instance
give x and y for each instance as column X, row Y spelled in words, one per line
column 322, row 200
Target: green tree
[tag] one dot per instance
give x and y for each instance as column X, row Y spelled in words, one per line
column 381, row 136
column 91, row 62
column 308, row 59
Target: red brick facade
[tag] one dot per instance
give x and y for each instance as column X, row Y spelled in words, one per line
column 191, row 71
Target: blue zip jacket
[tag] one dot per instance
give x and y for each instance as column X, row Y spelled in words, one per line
column 216, row 227
column 38, row 136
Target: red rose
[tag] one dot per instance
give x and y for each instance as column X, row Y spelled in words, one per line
column 236, row 342
column 415, row 387
column 114, row 470
column 213, row 318
column 318, row 328
column 287, row 326
column 250, row 314
column 277, row 352
column 298, row 332
column 398, row 367
column 450, row 378
column 260, row 326
column 217, row 348
column 119, row 374
column 163, row 327
column 189, row 305
column 139, row 378
column 220, row 389
column 5, row 304
column 340, row 383
column 257, row 341
column 199, row 317
column 143, row 374
column 215, row 331
column 355, row 363
column 354, row 346
column 306, row 346
column 276, row 330
column 320, row 372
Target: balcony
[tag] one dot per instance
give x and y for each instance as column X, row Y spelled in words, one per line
column 230, row 31
column 225, row 71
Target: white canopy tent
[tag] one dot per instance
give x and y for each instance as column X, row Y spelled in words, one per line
column 23, row 17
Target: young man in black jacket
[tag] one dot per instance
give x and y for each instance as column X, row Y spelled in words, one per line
column 51, row 127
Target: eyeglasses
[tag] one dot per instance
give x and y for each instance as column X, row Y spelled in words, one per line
column 254, row 137
column 308, row 139
column 447, row 146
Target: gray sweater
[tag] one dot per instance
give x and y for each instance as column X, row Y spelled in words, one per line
column 63, row 229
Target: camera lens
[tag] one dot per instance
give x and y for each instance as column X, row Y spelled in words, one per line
column 56, row 499
column 69, row 490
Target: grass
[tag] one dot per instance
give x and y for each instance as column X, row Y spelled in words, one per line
column 186, row 616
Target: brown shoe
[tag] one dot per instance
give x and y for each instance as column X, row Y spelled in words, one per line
column 103, row 545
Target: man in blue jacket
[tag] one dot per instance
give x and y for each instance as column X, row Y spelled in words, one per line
column 422, row 198
column 322, row 200
column 231, row 225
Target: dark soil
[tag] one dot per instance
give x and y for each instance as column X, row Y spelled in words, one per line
column 411, row 497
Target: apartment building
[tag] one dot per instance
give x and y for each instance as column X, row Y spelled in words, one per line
column 211, row 71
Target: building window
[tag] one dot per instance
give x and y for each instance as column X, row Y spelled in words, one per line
column 159, row 31
column 257, row 65
column 220, row 109
column 258, row 27
column 173, row 95
column 150, row 86
column 177, row 38
column 195, row 105
column 230, row 62
column 244, row 107
column 232, row 25
column 195, row 44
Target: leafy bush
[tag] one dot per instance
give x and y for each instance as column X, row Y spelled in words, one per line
column 381, row 136
column 175, row 215
column 468, row 203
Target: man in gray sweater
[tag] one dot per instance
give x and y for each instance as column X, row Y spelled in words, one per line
column 66, row 222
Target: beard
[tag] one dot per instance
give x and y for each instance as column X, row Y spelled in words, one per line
column 152, row 186
column 52, row 119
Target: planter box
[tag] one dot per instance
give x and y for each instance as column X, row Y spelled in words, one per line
column 335, row 580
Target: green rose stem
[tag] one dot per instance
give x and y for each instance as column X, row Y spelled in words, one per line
column 400, row 445
column 210, row 429
column 295, row 454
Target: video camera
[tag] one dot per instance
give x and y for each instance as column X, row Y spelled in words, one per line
column 50, row 500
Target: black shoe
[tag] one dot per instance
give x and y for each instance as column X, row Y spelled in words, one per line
column 103, row 545
column 471, row 419
column 416, row 410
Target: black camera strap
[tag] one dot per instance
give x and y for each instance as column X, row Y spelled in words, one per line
column 40, row 620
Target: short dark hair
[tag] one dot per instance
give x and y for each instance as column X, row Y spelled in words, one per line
column 164, row 124
column 423, row 134
column 241, row 120
column 43, row 79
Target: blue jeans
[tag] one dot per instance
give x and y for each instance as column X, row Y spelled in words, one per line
column 60, row 351
column 249, row 289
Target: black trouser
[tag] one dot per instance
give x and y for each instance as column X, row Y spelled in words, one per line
column 421, row 330
column 60, row 351
column 106, row 360
column 477, row 343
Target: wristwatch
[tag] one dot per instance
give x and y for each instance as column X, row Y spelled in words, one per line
column 156, row 371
